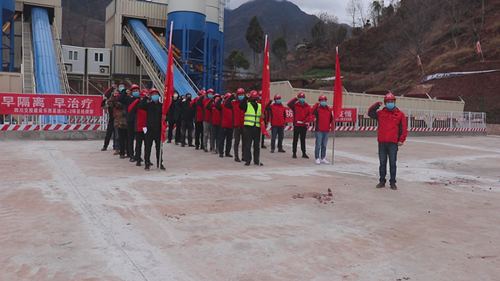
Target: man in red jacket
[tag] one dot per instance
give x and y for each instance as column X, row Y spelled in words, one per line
column 207, row 118
column 301, row 113
column 139, row 124
column 324, row 119
column 226, row 126
column 215, row 123
column 199, row 116
column 277, row 115
column 238, row 117
column 392, row 131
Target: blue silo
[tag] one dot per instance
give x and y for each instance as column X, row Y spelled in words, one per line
column 7, row 11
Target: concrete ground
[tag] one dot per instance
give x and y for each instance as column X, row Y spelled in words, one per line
column 71, row 212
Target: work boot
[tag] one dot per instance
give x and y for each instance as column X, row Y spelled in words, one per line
column 221, row 155
column 229, row 155
column 122, row 157
column 393, row 186
column 116, row 152
column 237, row 159
column 104, row 148
column 147, row 167
column 169, row 141
column 183, row 145
column 263, row 147
column 162, row 167
column 259, row 164
column 380, row 185
column 138, row 164
column 272, row 150
column 191, row 145
column 294, row 156
column 197, row 148
column 281, row 150
column 132, row 159
column 247, row 163
column 304, row 155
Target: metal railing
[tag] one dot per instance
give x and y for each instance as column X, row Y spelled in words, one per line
column 60, row 60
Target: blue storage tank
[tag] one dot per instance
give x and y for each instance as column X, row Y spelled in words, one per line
column 189, row 18
column 7, row 11
column 8, row 8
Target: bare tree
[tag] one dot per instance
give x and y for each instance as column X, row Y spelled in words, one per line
column 362, row 16
column 478, row 26
column 331, row 24
column 455, row 12
column 352, row 11
column 375, row 12
column 414, row 20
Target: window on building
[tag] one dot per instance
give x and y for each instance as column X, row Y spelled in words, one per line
column 101, row 56
column 70, row 55
column 137, row 61
column 96, row 57
column 75, row 56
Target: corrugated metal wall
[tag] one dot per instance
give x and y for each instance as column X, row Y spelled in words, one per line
column 286, row 91
column 11, row 82
column 124, row 61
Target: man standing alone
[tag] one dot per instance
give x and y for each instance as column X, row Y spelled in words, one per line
column 392, row 131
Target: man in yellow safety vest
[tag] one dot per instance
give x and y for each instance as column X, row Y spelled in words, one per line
column 251, row 133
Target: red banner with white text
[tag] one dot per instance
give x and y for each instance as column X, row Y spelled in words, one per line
column 44, row 104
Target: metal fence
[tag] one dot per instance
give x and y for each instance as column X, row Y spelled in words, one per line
column 418, row 120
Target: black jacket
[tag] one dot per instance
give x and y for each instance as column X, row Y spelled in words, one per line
column 174, row 111
column 187, row 113
column 154, row 111
column 111, row 110
column 124, row 99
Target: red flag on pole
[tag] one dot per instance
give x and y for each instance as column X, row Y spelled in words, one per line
column 266, row 86
column 478, row 47
column 169, row 84
column 337, row 90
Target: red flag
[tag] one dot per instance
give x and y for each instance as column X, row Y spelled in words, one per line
column 169, row 85
column 337, row 90
column 478, row 47
column 419, row 61
column 266, row 87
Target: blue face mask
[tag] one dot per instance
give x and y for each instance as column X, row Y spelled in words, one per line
column 155, row 98
column 135, row 94
column 210, row 96
column 241, row 97
column 121, row 89
column 390, row 106
column 302, row 100
column 323, row 103
column 260, row 98
column 278, row 101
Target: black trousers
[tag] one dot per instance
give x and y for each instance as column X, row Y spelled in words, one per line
column 225, row 135
column 139, row 138
column 152, row 136
column 122, row 133
column 130, row 137
column 238, row 134
column 170, row 130
column 280, row 132
column 187, row 128
column 385, row 150
column 299, row 131
column 178, row 134
column 198, row 134
column 109, row 133
column 251, row 134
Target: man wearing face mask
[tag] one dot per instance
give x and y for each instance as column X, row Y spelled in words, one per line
column 238, row 118
column 131, row 96
column 392, row 132
column 199, row 116
column 153, row 107
column 277, row 115
column 207, row 117
column 139, row 124
column 253, row 115
column 301, row 113
column 324, row 119
column 187, row 115
column 172, row 119
column 120, row 119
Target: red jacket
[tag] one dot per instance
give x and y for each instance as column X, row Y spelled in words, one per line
column 392, row 126
column 227, row 114
column 324, row 118
column 208, row 113
column 238, row 114
column 198, row 108
column 141, row 115
column 301, row 112
column 215, row 113
column 277, row 114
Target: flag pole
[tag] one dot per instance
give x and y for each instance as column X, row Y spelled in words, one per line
column 333, row 141
column 262, row 107
column 164, row 100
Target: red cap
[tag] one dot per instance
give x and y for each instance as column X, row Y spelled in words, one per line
column 254, row 94
column 301, row 95
column 202, row 93
column 153, row 90
column 216, row 96
column 227, row 95
column 143, row 93
column 322, row 97
column 210, row 90
column 389, row 96
column 260, row 93
column 240, row 91
column 134, row 86
column 277, row 97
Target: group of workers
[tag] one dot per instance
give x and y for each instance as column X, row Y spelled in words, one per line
column 136, row 114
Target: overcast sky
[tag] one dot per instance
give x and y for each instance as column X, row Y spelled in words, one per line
column 336, row 7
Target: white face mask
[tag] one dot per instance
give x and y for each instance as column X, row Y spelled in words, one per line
column 176, row 95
